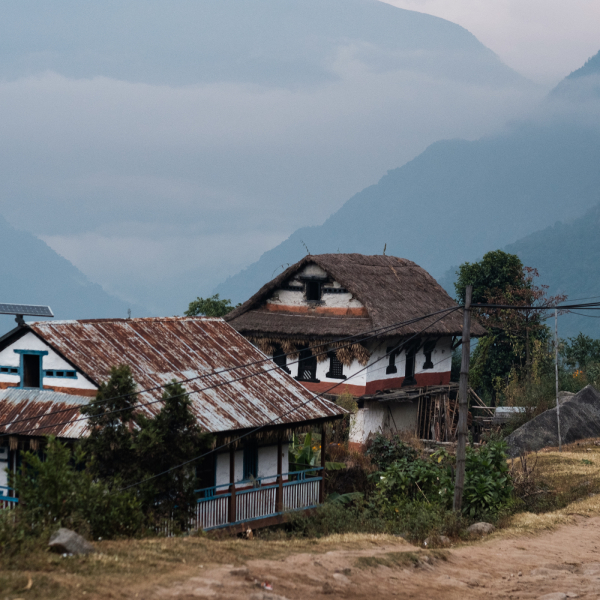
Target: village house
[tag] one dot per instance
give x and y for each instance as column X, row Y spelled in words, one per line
column 348, row 323
column 48, row 370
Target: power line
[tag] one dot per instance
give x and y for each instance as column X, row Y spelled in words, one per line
column 191, row 460
column 217, row 385
column 355, row 338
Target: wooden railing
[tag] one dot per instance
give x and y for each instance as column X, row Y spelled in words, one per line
column 296, row 490
column 264, row 499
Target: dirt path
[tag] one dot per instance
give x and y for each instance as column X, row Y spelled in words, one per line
column 564, row 562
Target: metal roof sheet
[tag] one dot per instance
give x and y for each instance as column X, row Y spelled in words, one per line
column 159, row 350
column 34, row 405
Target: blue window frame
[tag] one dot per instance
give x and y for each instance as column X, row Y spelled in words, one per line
column 30, row 368
column 9, row 370
column 60, row 373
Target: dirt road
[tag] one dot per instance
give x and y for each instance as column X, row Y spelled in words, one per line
column 564, row 562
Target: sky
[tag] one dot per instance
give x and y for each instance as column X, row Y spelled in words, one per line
column 163, row 147
column 542, row 39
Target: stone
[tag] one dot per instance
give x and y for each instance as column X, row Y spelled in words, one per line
column 480, row 528
column 553, row 596
column 579, row 420
column 69, row 542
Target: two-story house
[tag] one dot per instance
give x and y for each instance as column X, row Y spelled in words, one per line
column 354, row 323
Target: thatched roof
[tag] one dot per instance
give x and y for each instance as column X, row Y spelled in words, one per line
column 392, row 289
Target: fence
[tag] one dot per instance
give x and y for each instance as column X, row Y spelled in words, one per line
column 223, row 505
column 6, row 500
column 219, row 507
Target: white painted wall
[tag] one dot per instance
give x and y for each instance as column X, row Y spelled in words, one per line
column 267, row 465
column 4, row 465
column 382, row 417
column 441, row 358
column 298, row 298
column 9, row 358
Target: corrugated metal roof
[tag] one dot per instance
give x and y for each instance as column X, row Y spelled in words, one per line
column 34, row 405
column 159, row 350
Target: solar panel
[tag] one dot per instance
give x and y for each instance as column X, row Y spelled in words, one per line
column 29, row 310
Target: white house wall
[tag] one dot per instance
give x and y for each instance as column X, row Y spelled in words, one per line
column 51, row 361
column 267, row 466
column 441, row 357
column 297, row 298
column 387, row 418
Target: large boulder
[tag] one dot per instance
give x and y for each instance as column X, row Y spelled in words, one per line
column 579, row 419
column 66, row 541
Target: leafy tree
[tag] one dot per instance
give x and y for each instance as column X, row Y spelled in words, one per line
column 110, row 441
column 169, row 439
column 581, row 351
column 209, row 307
column 500, row 278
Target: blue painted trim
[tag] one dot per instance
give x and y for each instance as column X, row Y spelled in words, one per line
column 67, row 374
column 9, row 370
column 40, row 354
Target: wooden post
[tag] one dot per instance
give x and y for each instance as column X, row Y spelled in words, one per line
column 556, row 374
column 323, row 447
column 463, row 404
column 232, row 511
column 279, row 491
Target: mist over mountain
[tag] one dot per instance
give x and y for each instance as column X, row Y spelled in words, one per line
column 459, row 199
column 566, row 256
column 267, row 42
column 32, row 273
column 166, row 145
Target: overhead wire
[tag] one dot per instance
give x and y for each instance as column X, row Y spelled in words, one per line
column 272, row 421
column 217, row 385
column 373, row 332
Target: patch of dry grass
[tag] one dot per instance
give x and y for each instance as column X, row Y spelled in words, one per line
column 571, row 479
column 120, row 569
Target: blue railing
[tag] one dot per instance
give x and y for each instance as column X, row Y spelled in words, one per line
column 7, row 501
column 259, row 498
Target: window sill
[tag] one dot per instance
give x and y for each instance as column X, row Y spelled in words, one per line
column 307, row 380
column 330, row 376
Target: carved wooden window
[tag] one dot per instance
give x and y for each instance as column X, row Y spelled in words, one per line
column 336, row 367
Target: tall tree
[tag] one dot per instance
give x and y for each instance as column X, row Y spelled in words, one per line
column 169, row 439
column 109, row 444
column 501, row 278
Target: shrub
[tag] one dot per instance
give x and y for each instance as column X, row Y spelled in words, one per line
column 55, row 492
column 488, row 485
column 384, row 451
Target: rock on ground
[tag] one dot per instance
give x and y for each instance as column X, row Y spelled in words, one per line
column 67, row 541
column 579, row 419
column 480, row 528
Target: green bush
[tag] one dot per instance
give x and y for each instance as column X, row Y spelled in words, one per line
column 418, row 479
column 488, row 487
column 385, row 451
column 56, row 492
column 334, row 517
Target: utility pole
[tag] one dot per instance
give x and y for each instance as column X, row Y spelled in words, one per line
column 463, row 404
column 556, row 373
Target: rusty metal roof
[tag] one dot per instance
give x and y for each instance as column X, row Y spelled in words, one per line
column 34, row 405
column 159, row 350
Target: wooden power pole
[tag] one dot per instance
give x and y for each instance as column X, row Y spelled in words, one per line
column 463, row 404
